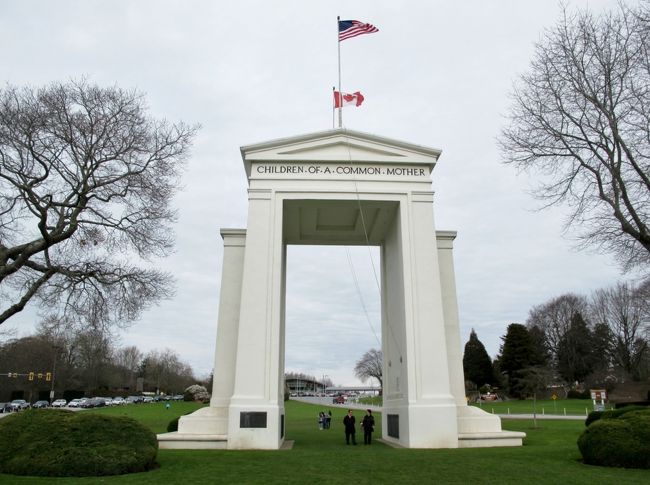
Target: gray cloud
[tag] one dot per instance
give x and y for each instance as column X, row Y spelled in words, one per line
column 437, row 74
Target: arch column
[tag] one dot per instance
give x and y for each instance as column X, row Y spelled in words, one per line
column 213, row 420
column 256, row 410
column 419, row 409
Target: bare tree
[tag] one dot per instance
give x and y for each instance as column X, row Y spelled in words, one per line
column 165, row 372
column 128, row 360
column 370, row 365
column 86, row 182
column 623, row 308
column 554, row 317
column 580, row 119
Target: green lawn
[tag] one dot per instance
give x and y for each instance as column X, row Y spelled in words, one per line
column 153, row 415
column 578, row 407
column 549, row 456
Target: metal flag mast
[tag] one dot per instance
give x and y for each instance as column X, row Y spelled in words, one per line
column 349, row 29
column 338, row 20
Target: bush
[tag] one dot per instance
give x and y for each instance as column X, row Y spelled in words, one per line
column 575, row 394
column 613, row 413
column 632, row 403
column 58, row 443
column 618, row 442
column 173, row 425
column 196, row 393
column 593, row 416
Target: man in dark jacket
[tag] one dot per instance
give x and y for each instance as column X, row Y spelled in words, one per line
column 348, row 423
column 368, row 425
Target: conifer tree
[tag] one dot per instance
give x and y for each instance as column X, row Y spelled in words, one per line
column 518, row 353
column 575, row 351
column 476, row 362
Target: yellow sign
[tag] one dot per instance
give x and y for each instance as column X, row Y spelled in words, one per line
column 554, row 397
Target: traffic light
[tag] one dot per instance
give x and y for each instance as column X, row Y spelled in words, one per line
column 31, row 376
column 48, row 376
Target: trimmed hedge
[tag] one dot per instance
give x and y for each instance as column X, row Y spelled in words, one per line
column 59, row 443
column 612, row 413
column 173, row 425
column 618, row 441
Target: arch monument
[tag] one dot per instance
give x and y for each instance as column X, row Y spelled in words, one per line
column 348, row 188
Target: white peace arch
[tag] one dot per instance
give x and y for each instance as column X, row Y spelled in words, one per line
column 350, row 188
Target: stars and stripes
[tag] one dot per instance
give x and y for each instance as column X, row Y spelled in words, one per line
column 353, row 28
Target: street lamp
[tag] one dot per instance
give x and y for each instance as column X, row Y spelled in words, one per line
column 323, row 382
column 56, row 349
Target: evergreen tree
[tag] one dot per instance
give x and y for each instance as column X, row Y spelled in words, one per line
column 542, row 352
column 575, row 351
column 476, row 362
column 518, row 353
column 601, row 347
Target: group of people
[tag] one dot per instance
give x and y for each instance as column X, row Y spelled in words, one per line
column 349, row 423
column 367, row 423
column 324, row 419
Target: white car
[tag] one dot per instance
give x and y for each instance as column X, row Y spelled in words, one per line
column 118, row 401
column 76, row 403
column 59, row 403
column 19, row 405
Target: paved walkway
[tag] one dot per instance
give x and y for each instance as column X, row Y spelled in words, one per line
column 542, row 416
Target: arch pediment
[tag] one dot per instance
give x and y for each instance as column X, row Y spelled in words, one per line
column 339, row 145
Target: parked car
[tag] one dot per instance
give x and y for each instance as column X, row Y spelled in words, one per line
column 5, row 407
column 147, row 399
column 59, row 403
column 118, row 401
column 19, row 405
column 41, row 404
column 94, row 402
column 76, row 403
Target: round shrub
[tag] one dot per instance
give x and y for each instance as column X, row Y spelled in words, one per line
column 613, row 413
column 593, row 416
column 58, row 443
column 617, row 442
column 196, row 393
column 173, row 425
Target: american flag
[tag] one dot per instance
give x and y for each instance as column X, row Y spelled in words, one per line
column 352, row 28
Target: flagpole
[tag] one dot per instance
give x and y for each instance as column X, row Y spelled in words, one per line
column 334, row 107
column 338, row 19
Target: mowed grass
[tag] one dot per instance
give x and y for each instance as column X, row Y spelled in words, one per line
column 155, row 416
column 574, row 407
column 550, row 455
column 559, row 407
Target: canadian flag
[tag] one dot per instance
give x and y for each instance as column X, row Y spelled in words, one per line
column 345, row 99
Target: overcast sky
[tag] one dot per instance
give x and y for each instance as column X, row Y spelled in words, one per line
column 437, row 74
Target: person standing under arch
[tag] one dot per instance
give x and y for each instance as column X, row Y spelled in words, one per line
column 368, row 425
column 349, row 424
